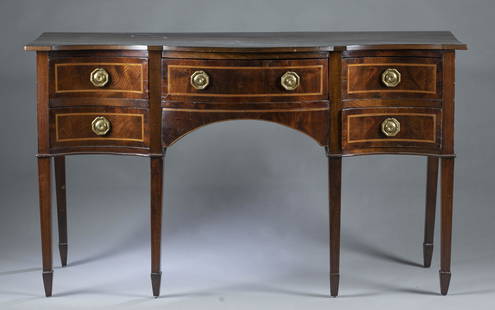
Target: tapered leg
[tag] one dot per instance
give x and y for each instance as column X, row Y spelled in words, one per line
column 156, row 222
column 335, row 179
column 61, row 207
column 431, row 200
column 446, row 234
column 45, row 221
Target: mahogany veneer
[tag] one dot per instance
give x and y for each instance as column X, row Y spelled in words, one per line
column 354, row 93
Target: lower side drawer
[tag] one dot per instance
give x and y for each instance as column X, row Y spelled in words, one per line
column 391, row 128
column 98, row 126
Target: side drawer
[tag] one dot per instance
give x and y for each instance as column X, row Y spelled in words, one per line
column 99, row 77
column 98, row 126
column 391, row 128
column 392, row 77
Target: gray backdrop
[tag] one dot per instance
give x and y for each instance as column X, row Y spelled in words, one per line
column 246, row 213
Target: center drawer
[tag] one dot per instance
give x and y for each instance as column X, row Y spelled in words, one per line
column 205, row 80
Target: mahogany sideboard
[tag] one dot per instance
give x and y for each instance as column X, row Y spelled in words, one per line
column 354, row 93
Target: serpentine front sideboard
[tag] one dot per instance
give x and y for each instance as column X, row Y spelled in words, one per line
column 354, row 93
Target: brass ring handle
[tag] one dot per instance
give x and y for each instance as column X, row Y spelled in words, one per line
column 99, row 77
column 101, row 126
column 391, row 77
column 200, row 80
column 390, row 127
column 290, row 80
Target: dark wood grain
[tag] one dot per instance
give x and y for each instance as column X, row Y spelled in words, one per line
column 42, row 102
column 70, row 77
column 431, row 201
column 60, row 188
column 155, row 91
column 245, row 80
column 156, row 170
column 71, row 127
column 340, row 103
column 421, row 77
column 448, row 102
column 335, row 181
column 447, row 178
column 447, row 188
column 249, row 41
column 179, row 122
column 419, row 127
column 44, row 177
column 44, row 172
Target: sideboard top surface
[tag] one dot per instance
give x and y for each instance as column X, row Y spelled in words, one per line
column 247, row 41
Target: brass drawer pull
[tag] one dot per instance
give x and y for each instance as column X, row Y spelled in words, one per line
column 101, row 126
column 200, row 80
column 390, row 127
column 290, row 80
column 99, row 77
column 391, row 77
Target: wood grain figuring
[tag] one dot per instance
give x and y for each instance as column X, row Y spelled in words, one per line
column 254, row 42
column 431, row 201
column 45, row 205
column 351, row 120
column 448, row 60
column 243, row 80
column 447, row 194
column 127, row 77
column 420, row 77
column 60, row 188
column 335, row 183
column 72, row 127
column 155, row 124
column 340, row 102
column 156, row 172
column 178, row 123
column 419, row 127
column 42, row 91
column 121, row 119
column 360, row 70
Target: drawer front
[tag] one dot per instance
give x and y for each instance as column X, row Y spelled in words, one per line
column 246, row 79
column 99, row 77
column 392, row 77
column 391, row 128
column 98, row 126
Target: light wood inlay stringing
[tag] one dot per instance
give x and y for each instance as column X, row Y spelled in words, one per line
column 199, row 67
column 96, row 65
column 433, row 67
column 60, row 115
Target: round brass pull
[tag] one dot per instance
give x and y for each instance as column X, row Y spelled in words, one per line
column 99, row 77
column 390, row 127
column 101, row 126
column 200, row 80
column 391, row 77
column 290, row 80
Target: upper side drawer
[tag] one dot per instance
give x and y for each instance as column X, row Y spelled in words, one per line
column 392, row 77
column 266, row 80
column 99, row 77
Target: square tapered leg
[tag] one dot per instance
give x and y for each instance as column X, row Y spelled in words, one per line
column 61, row 207
column 45, row 222
column 431, row 200
column 446, row 226
column 156, row 222
column 335, row 180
